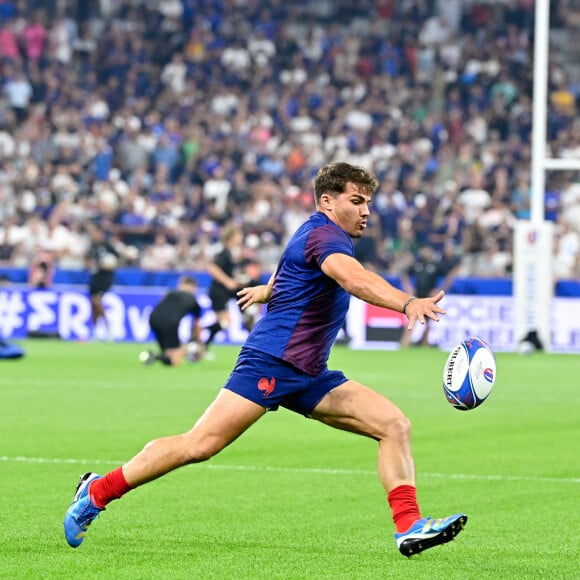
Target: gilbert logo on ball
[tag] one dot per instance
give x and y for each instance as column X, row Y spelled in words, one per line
column 469, row 374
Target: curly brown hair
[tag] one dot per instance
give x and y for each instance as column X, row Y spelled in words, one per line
column 333, row 178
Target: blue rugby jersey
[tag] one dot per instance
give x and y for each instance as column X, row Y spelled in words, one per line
column 307, row 308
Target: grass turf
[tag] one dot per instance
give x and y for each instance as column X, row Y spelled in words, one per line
column 291, row 498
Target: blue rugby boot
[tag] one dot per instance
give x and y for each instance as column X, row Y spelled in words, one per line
column 81, row 513
column 428, row 532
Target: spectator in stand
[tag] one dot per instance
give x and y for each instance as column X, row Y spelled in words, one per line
column 216, row 190
column 521, row 196
column 491, row 261
column 6, row 247
column 268, row 252
column 161, row 255
column 475, row 198
column 9, row 49
column 35, row 37
column 566, row 252
column 18, row 91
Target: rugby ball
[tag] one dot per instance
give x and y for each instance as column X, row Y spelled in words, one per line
column 469, row 374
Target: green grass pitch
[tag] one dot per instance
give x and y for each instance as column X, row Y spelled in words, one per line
column 291, row 498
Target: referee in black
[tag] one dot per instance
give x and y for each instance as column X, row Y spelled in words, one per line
column 164, row 321
column 102, row 260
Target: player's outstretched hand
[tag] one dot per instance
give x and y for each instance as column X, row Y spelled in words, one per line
column 254, row 295
column 421, row 308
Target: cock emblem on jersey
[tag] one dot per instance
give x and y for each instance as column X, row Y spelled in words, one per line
column 267, row 386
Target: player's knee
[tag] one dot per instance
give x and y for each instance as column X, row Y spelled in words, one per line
column 202, row 449
column 399, row 429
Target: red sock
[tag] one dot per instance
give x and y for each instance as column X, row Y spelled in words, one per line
column 403, row 502
column 112, row 486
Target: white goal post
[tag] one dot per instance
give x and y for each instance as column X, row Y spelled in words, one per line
column 533, row 281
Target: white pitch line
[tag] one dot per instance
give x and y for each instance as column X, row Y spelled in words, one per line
column 315, row 470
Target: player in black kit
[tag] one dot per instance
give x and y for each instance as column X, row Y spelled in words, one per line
column 102, row 260
column 164, row 321
column 224, row 283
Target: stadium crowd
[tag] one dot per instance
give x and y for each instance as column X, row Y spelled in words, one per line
column 160, row 122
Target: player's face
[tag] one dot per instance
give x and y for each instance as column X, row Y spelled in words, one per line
column 349, row 210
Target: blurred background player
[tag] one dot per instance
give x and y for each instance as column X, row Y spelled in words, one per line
column 224, row 283
column 102, row 261
column 165, row 319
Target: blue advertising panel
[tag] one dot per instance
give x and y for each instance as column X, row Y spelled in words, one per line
column 66, row 312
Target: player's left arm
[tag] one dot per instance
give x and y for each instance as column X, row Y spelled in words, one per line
column 218, row 274
column 372, row 288
column 259, row 294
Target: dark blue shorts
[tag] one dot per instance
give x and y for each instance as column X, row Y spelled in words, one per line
column 272, row 382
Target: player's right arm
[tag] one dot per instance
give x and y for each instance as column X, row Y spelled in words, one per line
column 372, row 288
